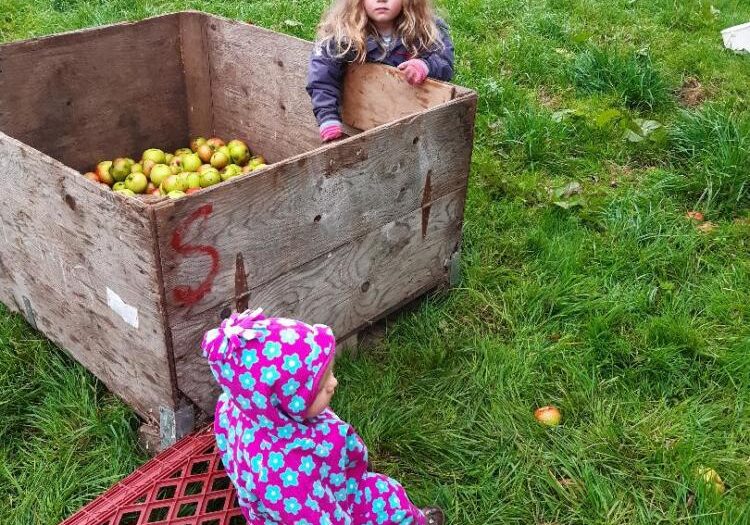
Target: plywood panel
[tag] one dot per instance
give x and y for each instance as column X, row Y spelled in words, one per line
column 78, row 262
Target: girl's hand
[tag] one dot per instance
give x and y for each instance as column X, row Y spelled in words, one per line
column 416, row 71
column 330, row 131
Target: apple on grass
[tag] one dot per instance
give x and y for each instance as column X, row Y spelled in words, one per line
column 549, row 416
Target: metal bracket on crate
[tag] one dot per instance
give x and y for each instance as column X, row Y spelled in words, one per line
column 30, row 317
column 453, row 267
column 175, row 424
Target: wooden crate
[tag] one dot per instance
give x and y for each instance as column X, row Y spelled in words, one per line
column 342, row 233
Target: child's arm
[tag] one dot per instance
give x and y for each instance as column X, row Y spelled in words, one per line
column 436, row 64
column 440, row 61
column 324, row 79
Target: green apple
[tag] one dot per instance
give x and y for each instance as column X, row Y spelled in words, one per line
column 193, row 180
column 183, row 151
column 176, row 164
column 239, row 153
column 191, row 162
column 171, row 183
column 159, row 173
column 219, row 160
column 209, row 178
column 205, row 167
column 117, row 186
column 204, row 152
column 258, row 159
column 260, row 166
column 224, row 150
column 147, row 166
column 120, row 168
column 126, row 192
column 136, row 182
column 196, row 142
column 168, row 158
column 102, row 171
column 136, row 168
column 231, row 171
column 176, row 194
column 215, row 142
column 156, row 156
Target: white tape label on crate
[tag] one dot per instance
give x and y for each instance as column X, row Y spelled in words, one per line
column 128, row 313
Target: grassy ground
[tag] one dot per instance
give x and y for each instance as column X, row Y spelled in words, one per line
column 584, row 285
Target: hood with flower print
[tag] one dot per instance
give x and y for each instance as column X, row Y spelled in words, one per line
column 270, row 367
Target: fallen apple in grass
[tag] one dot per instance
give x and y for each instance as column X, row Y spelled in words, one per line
column 711, row 478
column 548, row 416
column 695, row 216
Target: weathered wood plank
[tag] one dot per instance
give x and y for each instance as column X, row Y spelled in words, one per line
column 78, row 262
column 258, row 82
column 375, row 94
column 95, row 94
column 347, row 288
column 196, row 67
column 297, row 210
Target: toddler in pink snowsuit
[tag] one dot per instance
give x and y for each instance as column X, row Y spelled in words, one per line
column 291, row 458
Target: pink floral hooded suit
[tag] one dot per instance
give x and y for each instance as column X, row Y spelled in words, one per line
column 288, row 469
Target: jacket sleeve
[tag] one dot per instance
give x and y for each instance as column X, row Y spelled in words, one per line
column 440, row 60
column 324, row 78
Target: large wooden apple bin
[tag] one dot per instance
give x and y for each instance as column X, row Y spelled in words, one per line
column 340, row 234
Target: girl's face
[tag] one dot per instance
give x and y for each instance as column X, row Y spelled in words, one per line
column 327, row 389
column 383, row 12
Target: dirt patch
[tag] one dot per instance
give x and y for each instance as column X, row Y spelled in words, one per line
column 692, row 93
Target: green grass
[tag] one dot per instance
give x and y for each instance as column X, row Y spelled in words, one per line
column 617, row 310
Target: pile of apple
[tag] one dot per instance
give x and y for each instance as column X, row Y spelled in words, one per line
column 188, row 170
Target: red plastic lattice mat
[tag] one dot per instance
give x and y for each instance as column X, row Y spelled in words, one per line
column 184, row 485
